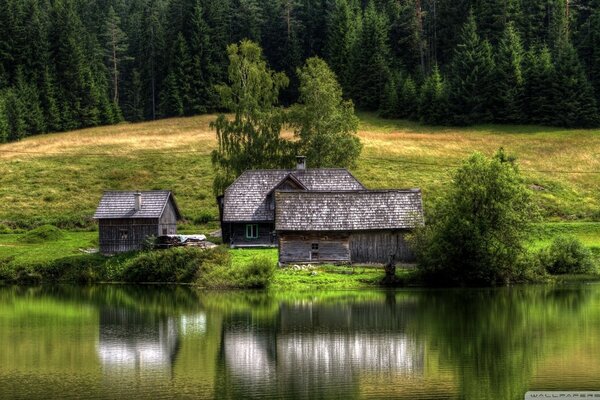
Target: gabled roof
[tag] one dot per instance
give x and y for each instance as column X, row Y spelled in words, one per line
column 246, row 199
column 121, row 204
column 348, row 211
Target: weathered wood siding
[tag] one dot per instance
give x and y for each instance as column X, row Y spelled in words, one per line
column 236, row 232
column 114, row 240
column 168, row 221
column 298, row 247
column 377, row 246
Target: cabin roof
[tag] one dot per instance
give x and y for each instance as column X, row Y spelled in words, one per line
column 246, row 200
column 348, row 211
column 121, row 204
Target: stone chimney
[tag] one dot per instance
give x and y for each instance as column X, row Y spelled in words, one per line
column 138, row 201
column 300, row 163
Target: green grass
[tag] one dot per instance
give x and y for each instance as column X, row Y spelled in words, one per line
column 11, row 247
column 58, row 178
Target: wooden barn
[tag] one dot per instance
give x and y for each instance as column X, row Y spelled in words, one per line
column 126, row 219
column 365, row 226
column 247, row 209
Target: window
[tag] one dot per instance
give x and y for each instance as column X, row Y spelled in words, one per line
column 315, row 246
column 251, row 231
column 123, row 234
column 165, row 231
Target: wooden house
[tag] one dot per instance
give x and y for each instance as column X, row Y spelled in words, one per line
column 365, row 226
column 126, row 219
column 247, row 209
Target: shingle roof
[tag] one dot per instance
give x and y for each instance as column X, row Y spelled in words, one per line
column 358, row 210
column 246, row 199
column 121, row 204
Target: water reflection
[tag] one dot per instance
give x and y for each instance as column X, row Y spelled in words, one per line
column 131, row 342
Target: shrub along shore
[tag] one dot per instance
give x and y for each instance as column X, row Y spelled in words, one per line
column 44, row 259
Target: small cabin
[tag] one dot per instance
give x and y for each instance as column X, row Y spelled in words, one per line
column 365, row 226
column 247, row 208
column 127, row 218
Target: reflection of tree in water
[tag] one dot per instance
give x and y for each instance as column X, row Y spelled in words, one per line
column 494, row 338
column 316, row 350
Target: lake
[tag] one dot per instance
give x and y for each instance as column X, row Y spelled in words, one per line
column 133, row 342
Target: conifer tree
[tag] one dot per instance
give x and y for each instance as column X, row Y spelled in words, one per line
column 471, row 77
column 341, row 40
column 116, row 47
column 15, row 115
column 3, row 119
column 371, row 60
column 175, row 98
column 594, row 44
column 390, row 106
column 202, row 97
column 433, row 100
column 508, row 77
column 408, row 99
column 28, row 97
column 539, row 94
column 575, row 104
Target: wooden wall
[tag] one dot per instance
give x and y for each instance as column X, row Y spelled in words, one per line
column 366, row 247
column 236, row 235
column 297, row 247
column 168, row 221
column 111, row 238
column 377, row 246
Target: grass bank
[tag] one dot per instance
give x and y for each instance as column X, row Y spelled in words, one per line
column 59, row 178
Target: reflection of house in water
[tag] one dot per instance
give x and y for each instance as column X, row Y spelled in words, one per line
column 134, row 342
column 316, row 348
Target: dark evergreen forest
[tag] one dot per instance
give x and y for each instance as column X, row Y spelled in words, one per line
column 67, row 64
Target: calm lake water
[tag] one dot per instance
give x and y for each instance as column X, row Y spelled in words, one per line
column 113, row 342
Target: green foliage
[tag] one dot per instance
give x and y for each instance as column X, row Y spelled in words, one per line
column 252, row 139
column 433, row 100
column 509, row 77
column 371, row 69
column 324, row 124
column 471, row 77
column 575, row 104
column 539, row 93
column 256, row 273
column 476, row 233
column 177, row 264
column 567, row 255
column 44, row 233
column 341, row 41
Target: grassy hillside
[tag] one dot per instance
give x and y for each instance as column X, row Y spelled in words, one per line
column 59, row 178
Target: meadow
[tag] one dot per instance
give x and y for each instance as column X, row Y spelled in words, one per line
column 59, row 178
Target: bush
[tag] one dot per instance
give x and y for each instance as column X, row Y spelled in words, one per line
column 204, row 218
column 476, row 233
column 256, row 274
column 5, row 229
column 567, row 255
column 176, row 265
column 44, row 233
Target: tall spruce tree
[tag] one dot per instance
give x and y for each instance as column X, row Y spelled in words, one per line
column 371, row 68
column 175, row 97
column 509, row 77
column 433, row 100
column 202, row 97
column 575, row 104
column 116, row 46
column 539, row 91
column 471, row 77
column 341, row 41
